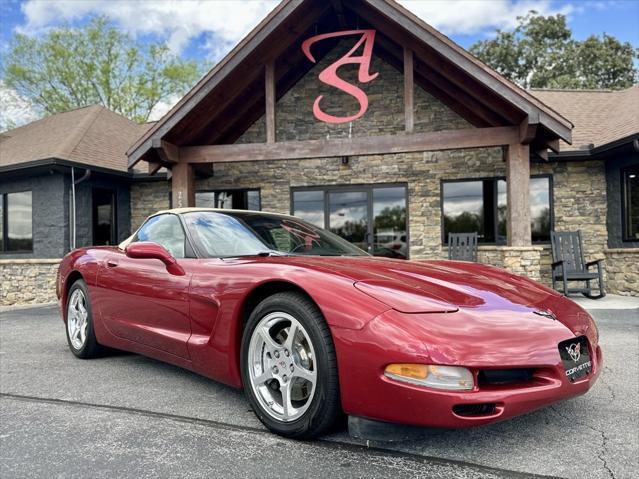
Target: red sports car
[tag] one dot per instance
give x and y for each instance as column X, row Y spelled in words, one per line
column 313, row 327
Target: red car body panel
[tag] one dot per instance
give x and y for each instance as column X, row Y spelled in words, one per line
column 195, row 321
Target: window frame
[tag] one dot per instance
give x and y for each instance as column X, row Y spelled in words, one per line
column 368, row 187
column 625, row 234
column 495, row 180
column 4, row 240
column 233, row 190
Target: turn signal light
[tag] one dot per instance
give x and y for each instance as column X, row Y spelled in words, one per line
column 429, row 375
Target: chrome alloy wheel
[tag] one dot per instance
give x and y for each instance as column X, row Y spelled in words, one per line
column 282, row 366
column 77, row 319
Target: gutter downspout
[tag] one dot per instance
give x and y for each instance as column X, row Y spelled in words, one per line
column 87, row 174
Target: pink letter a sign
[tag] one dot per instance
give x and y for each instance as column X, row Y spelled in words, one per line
column 329, row 74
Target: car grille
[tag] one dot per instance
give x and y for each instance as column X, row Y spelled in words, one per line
column 500, row 377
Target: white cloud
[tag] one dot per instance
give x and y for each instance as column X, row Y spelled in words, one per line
column 220, row 24
column 178, row 22
column 14, row 109
column 163, row 107
column 476, row 16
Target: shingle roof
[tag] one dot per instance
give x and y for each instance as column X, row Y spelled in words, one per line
column 599, row 116
column 93, row 135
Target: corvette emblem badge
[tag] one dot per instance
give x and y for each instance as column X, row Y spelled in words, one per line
column 575, row 351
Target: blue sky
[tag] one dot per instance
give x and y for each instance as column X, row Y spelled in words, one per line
column 208, row 28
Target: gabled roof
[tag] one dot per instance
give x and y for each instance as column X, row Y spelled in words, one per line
column 93, row 135
column 600, row 116
column 233, row 84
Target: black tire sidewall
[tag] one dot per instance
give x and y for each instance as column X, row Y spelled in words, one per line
column 321, row 412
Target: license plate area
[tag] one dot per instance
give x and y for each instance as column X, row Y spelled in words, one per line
column 575, row 357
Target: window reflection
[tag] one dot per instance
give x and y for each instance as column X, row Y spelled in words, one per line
column 481, row 206
column 309, row 205
column 19, row 234
column 348, row 216
column 464, row 208
column 371, row 217
column 389, row 227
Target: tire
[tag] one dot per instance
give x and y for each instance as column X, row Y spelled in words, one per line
column 302, row 368
column 80, row 337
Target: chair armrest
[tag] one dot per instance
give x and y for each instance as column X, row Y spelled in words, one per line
column 595, row 262
column 557, row 263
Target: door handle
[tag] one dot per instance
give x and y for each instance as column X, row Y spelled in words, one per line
column 111, row 263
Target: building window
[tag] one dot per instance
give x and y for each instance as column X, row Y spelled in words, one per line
column 229, row 199
column 371, row 217
column 104, row 219
column 480, row 206
column 630, row 210
column 16, row 232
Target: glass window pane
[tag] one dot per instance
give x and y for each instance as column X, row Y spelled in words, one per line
column 349, row 216
column 253, row 200
column 389, row 222
column 1, row 222
column 19, row 227
column 205, row 199
column 540, row 209
column 631, row 209
column 463, row 208
column 165, row 230
column 502, row 216
column 309, row 205
column 224, row 200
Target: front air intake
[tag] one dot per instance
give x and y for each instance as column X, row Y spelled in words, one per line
column 483, row 409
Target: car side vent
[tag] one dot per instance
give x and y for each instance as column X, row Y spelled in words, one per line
column 482, row 409
column 504, row 376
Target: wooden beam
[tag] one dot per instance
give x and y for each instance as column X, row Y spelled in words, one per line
column 154, row 167
column 517, row 194
column 168, row 152
column 269, row 93
column 527, row 131
column 375, row 145
column 183, row 185
column 409, row 91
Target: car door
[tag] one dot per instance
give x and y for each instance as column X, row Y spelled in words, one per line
column 142, row 301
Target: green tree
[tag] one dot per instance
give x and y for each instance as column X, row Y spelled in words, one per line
column 97, row 63
column 541, row 53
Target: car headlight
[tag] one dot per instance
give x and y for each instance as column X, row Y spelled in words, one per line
column 432, row 376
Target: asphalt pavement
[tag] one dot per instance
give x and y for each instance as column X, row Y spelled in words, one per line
column 129, row 416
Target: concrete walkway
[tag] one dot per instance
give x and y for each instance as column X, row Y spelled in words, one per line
column 611, row 301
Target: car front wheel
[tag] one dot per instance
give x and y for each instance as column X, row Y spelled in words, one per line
column 79, row 322
column 289, row 369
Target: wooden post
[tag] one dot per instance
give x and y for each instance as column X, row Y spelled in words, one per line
column 409, row 90
column 518, row 192
column 269, row 88
column 183, row 185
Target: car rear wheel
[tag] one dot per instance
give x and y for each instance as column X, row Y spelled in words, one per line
column 289, row 369
column 79, row 323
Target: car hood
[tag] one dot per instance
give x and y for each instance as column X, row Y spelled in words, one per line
column 452, row 285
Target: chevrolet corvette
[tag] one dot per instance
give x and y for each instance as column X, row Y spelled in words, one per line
column 312, row 327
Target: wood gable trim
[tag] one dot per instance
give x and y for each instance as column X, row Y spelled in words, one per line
column 473, row 67
column 214, row 77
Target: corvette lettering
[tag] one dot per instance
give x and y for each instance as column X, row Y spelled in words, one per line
column 576, row 369
column 329, row 74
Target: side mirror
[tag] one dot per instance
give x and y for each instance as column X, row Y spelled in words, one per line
column 149, row 250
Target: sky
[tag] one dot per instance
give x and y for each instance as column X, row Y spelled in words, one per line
column 207, row 29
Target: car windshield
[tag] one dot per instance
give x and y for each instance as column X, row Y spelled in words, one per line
column 231, row 234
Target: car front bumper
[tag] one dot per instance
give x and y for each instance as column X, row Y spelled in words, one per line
column 368, row 393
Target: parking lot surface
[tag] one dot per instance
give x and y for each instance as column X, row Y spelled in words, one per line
column 129, row 416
